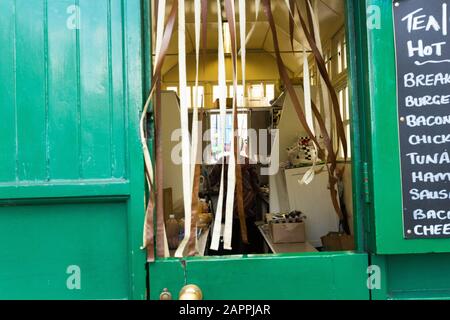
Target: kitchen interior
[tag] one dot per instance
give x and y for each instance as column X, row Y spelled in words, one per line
column 289, row 214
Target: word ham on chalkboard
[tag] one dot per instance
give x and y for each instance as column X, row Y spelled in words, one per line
column 423, row 92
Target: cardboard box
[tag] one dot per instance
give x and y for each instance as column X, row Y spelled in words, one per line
column 287, row 232
column 335, row 241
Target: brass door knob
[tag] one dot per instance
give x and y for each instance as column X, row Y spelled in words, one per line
column 191, row 292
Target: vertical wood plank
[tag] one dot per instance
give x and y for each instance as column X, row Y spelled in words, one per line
column 7, row 93
column 31, row 90
column 62, row 63
column 118, row 110
column 95, row 115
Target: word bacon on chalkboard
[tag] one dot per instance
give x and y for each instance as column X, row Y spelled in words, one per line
column 423, row 91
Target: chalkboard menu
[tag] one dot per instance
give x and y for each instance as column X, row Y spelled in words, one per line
column 423, row 89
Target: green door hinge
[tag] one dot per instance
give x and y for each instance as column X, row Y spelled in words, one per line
column 366, row 182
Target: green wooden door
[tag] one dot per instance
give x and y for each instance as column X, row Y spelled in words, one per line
column 319, row 276
column 71, row 182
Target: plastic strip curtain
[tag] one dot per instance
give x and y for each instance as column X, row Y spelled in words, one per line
column 222, row 105
column 184, row 118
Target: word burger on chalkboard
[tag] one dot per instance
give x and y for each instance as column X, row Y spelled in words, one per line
column 423, row 91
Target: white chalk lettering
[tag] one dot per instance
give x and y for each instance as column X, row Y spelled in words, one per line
column 425, row 50
column 416, row 21
column 426, row 139
column 422, row 121
column 425, row 80
column 433, row 230
column 419, row 176
column 427, row 100
column 420, row 214
column 437, row 158
column 417, row 194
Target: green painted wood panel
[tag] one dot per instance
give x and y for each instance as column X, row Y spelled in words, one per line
column 386, row 226
column 39, row 240
column 64, row 90
column 30, row 47
column 411, row 277
column 292, row 277
column 63, row 123
column 71, row 167
column 7, row 94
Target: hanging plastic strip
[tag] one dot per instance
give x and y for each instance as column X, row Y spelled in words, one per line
column 328, row 109
column 231, row 181
column 184, row 119
column 217, row 229
column 148, row 232
column 195, row 169
column 325, row 76
column 160, row 28
column 234, row 167
column 309, row 175
column 243, row 36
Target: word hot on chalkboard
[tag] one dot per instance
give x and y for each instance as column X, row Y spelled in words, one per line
column 423, row 90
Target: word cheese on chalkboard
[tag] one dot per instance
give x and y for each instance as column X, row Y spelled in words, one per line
column 423, row 90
